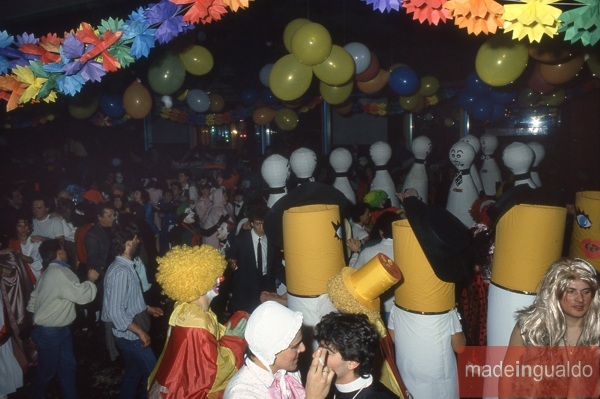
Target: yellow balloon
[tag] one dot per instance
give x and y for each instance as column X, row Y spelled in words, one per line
column 593, row 63
column 311, row 44
column 337, row 69
column 197, row 61
column 289, row 32
column 375, row 84
column 286, row 119
column 501, row 60
column 429, row 86
column 289, row 78
column 336, row 94
column 396, row 65
column 82, row 107
column 556, row 98
column 410, row 102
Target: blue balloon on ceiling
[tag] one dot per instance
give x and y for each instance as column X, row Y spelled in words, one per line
column 403, row 81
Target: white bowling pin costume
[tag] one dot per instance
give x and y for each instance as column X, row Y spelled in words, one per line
column 474, row 141
column 341, row 159
column 303, row 162
column 518, row 157
column 275, row 170
column 540, row 153
column 381, row 153
column 462, row 190
column 490, row 172
column 417, row 176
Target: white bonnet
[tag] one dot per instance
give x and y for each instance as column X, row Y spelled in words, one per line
column 271, row 329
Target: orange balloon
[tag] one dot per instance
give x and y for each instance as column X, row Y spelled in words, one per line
column 263, row 115
column 217, row 102
column 375, row 84
column 562, row 73
column 550, row 52
column 344, row 108
column 137, row 100
column 419, row 106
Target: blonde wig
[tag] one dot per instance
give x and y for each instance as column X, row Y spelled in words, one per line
column 543, row 323
column 186, row 273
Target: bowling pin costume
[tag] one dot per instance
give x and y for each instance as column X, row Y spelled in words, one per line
column 518, row 157
column 341, row 159
column 303, row 162
column 490, row 172
column 275, row 170
column 381, row 153
column 585, row 239
column 474, row 141
column 540, row 153
column 417, row 176
column 462, row 190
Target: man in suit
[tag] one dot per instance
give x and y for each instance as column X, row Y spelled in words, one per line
column 257, row 263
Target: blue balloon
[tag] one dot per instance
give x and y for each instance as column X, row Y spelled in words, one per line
column 502, row 98
column 498, row 113
column 198, row 100
column 403, row 81
column 268, row 97
column 476, row 85
column 482, row 108
column 249, row 96
column 466, row 99
column 112, row 105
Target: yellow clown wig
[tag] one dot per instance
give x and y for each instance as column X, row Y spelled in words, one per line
column 186, row 273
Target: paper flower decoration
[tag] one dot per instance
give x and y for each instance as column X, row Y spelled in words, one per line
column 431, row 11
column 99, row 46
column 476, row 15
column 12, row 89
column 234, row 5
column 582, row 23
column 532, row 18
column 385, row 5
column 34, row 83
column 202, row 10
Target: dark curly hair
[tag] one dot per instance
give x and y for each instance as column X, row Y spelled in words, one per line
column 352, row 336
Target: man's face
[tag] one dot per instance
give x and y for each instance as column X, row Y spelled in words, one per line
column 168, row 197
column 39, row 210
column 61, row 254
column 287, row 359
column 344, row 370
column 176, row 190
column 135, row 247
column 365, row 217
column 238, row 199
column 259, row 227
column 17, row 198
column 107, row 219
column 182, row 178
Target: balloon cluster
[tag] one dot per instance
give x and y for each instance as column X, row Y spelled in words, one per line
column 404, row 81
column 482, row 102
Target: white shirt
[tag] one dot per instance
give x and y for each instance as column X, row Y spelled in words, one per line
column 31, row 249
column 69, row 230
column 49, row 227
column 263, row 244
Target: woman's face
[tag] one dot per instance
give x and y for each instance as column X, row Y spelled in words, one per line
column 118, row 203
column 22, row 228
column 287, row 359
column 577, row 298
column 137, row 195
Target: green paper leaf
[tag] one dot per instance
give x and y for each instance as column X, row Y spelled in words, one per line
column 110, row 24
column 36, row 68
column 121, row 52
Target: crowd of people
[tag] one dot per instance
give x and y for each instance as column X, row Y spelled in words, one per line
column 200, row 247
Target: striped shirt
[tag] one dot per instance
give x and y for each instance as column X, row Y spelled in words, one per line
column 122, row 297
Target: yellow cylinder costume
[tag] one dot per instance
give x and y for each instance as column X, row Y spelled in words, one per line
column 421, row 291
column 585, row 239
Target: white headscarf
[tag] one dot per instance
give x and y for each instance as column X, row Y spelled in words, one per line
column 271, row 329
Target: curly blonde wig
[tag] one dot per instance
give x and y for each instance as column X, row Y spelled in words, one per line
column 543, row 323
column 186, row 273
column 343, row 300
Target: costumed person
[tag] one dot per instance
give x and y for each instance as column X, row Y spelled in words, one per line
column 220, row 207
column 303, row 162
column 357, row 292
column 200, row 355
column 380, row 202
column 429, row 248
column 270, row 368
column 476, row 144
column 28, row 251
column 463, row 191
column 381, row 152
column 417, row 176
column 585, row 239
column 275, row 171
column 565, row 312
column 539, row 152
column 11, row 374
column 341, row 160
column 490, row 174
column 518, row 157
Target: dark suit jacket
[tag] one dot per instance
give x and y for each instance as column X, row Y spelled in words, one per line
column 97, row 246
column 248, row 281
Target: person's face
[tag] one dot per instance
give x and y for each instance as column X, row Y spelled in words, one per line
column 137, row 195
column 205, row 192
column 365, row 217
column 61, row 254
column 344, row 369
column 175, row 190
column 135, row 247
column 238, row 198
column 222, row 232
column 287, row 359
column 214, row 291
column 22, row 228
column 118, row 203
column 168, row 197
column 107, row 219
column 259, row 227
column 182, row 178
column 39, row 210
column 17, row 198
column 576, row 299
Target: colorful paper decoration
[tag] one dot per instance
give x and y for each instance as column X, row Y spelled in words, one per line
column 234, row 5
column 431, row 11
column 476, row 16
column 385, row 5
column 582, row 23
column 532, row 18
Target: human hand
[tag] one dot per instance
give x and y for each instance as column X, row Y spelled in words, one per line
column 232, row 263
column 319, row 377
column 354, row 244
column 145, row 338
column 36, row 239
column 223, row 219
column 92, row 275
column 155, row 311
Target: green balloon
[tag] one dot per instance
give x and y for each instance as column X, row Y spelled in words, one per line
column 166, row 74
column 289, row 78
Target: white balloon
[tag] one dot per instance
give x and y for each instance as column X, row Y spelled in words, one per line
column 264, row 74
column 167, row 101
column 361, row 55
column 198, row 100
